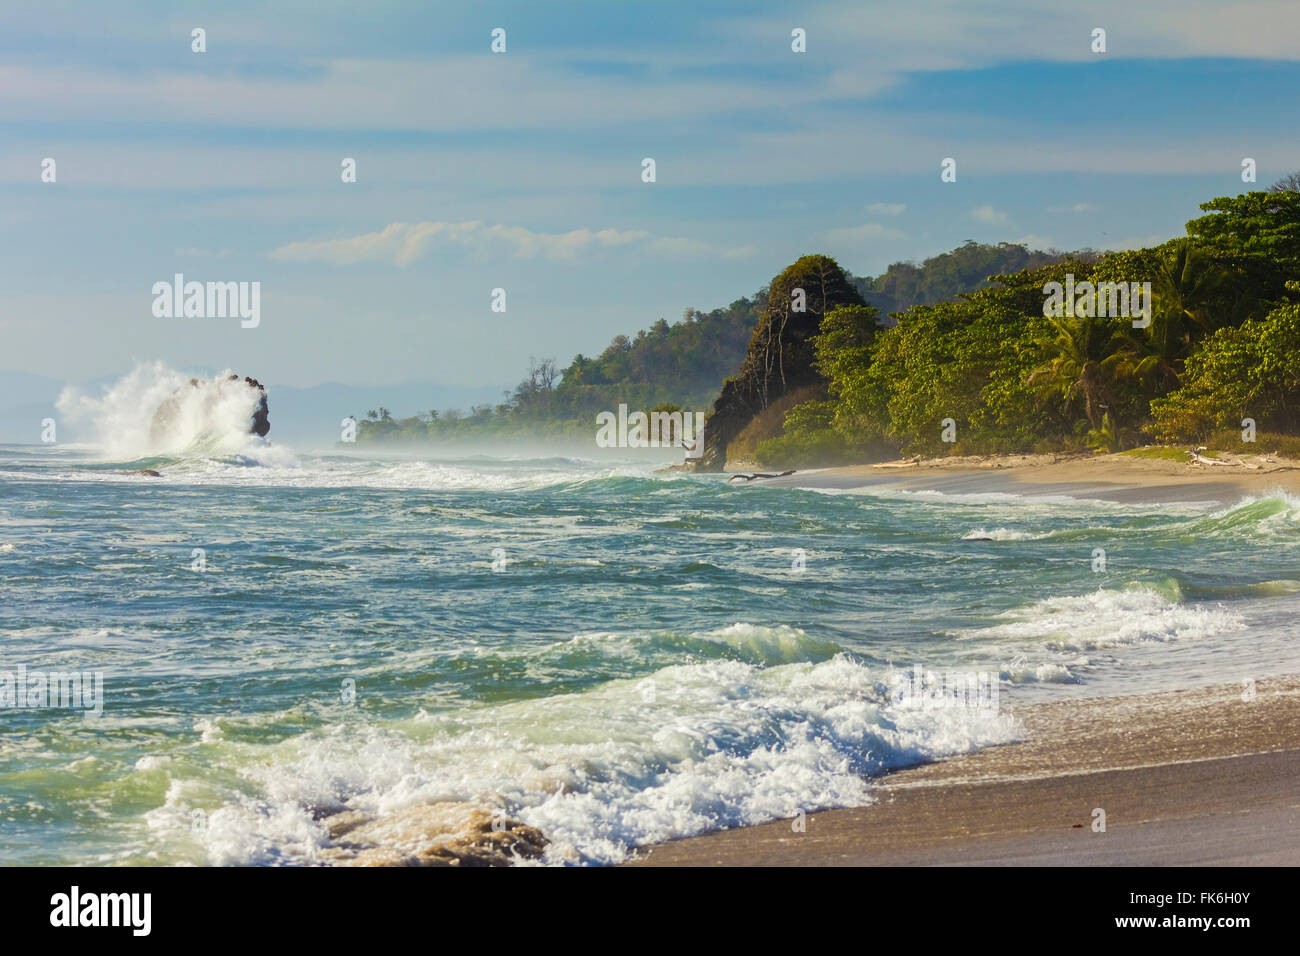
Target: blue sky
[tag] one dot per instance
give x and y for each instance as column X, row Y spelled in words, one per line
column 522, row 170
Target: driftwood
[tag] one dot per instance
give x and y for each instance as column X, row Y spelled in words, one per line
column 1200, row 459
column 759, row 474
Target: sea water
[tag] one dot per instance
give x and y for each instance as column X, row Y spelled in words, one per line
column 612, row 655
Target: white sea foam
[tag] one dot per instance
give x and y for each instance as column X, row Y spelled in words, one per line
column 1038, row 504
column 1049, row 673
column 688, row 748
column 1110, row 618
column 208, row 422
column 720, row 726
column 1004, row 534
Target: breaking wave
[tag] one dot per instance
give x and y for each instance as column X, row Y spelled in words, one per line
column 687, row 748
column 210, row 421
column 1111, row 618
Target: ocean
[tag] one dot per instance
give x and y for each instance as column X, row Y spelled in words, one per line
column 612, row 655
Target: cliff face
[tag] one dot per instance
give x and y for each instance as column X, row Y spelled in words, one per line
column 780, row 356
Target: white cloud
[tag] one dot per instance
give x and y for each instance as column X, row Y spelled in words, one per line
column 403, row 242
column 515, row 92
column 564, row 245
column 886, row 208
column 400, row 241
column 987, row 214
column 542, row 90
column 1077, row 207
column 941, row 36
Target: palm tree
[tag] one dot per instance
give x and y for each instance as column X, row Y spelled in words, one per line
column 1081, row 366
column 1155, row 355
column 1105, row 438
column 1186, row 283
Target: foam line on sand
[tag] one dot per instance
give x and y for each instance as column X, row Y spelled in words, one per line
column 1197, row 776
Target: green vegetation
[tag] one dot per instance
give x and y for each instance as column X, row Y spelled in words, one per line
column 875, row 367
column 1265, row 443
column 677, row 366
column 1221, row 346
column 1159, row 453
column 681, row 364
column 947, row 275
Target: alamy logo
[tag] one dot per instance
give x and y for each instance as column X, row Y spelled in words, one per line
column 208, row 300
column 42, row 690
column 1123, row 300
column 658, row 429
column 926, row 690
column 103, row 909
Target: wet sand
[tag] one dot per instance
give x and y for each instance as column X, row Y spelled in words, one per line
column 1186, row 777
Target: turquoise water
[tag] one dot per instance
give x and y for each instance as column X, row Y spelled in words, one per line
column 639, row 660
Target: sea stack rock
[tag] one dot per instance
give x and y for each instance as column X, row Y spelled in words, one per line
column 261, row 416
column 207, row 394
column 780, row 356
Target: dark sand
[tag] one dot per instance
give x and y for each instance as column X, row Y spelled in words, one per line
column 1185, row 777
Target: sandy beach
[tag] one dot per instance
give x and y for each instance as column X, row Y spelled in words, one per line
column 1194, row 777
column 1118, row 477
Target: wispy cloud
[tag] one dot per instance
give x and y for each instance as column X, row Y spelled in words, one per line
column 963, row 36
column 886, row 208
column 403, row 242
column 1077, row 207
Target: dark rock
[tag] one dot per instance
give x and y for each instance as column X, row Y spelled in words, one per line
column 262, row 415
column 780, row 356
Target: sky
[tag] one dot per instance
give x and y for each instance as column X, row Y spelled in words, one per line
column 522, row 170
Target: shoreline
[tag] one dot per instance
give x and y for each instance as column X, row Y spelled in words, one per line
column 1188, row 777
column 1117, row 477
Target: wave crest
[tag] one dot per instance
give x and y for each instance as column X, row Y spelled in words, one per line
column 156, row 411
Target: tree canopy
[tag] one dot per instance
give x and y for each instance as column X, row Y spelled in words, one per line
column 1218, row 345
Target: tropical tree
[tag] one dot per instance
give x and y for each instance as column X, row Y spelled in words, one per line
column 1245, row 372
column 1257, row 235
column 1186, row 286
column 1105, row 438
column 1081, row 364
column 1188, row 282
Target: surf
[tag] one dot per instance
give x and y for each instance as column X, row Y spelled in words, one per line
column 155, row 416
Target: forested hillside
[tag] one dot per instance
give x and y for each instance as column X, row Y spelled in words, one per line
column 683, row 364
column 947, row 275
column 1214, row 360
